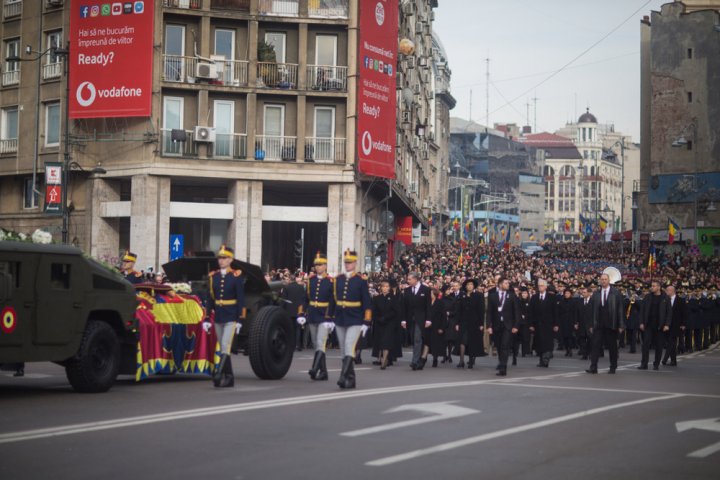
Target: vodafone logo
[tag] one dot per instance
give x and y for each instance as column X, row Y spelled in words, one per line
column 366, row 143
column 80, row 97
column 380, row 14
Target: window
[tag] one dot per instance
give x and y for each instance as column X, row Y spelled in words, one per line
column 52, row 124
column 9, row 121
column 174, row 61
column 60, row 276
column 11, row 72
column 324, row 145
column 30, row 195
column 689, row 96
column 689, row 53
column 549, row 174
column 326, row 50
column 278, row 41
column 172, row 120
column 225, row 47
column 12, row 269
column 567, row 189
column 54, row 40
column 224, row 122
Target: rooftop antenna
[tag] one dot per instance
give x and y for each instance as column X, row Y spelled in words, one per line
column 487, row 92
column 535, row 100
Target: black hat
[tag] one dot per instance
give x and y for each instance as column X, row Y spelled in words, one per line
column 474, row 282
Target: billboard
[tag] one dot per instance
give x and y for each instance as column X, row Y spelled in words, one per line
column 111, row 57
column 377, row 55
column 404, row 230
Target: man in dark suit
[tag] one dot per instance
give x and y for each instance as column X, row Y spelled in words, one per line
column 677, row 325
column 584, row 322
column 417, row 316
column 608, row 323
column 504, row 313
column 655, row 323
column 544, row 322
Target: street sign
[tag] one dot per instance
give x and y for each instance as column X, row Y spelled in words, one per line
column 53, row 198
column 177, row 246
column 708, row 424
column 433, row 412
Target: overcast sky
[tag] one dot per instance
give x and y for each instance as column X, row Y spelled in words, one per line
column 527, row 40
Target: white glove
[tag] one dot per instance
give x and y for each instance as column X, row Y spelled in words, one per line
column 364, row 329
column 206, row 326
column 238, row 327
column 428, row 324
column 403, row 324
column 301, row 321
column 329, row 325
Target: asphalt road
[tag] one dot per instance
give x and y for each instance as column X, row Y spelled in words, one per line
column 557, row 423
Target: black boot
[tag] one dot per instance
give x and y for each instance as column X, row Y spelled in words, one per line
column 347, row 374
column 322, row 373
column 471, row 362
column 358, row 357
column 435, row 362
column 223, row 376
column 421, row 363
column 514, row 362
column 315, row 365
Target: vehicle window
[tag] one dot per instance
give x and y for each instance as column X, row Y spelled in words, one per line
column 12, row 268
column 60, row 276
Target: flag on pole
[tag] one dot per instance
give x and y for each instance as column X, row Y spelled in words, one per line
column 568, row 224
column 673, row 229
column 456, row 223
column 581, row 225
column 603, row 223
column 652, row 259
column 517, row 234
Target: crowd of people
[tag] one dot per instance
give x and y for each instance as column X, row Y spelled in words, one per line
column 455, row 303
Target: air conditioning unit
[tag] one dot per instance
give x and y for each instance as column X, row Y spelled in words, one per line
column 426, row 203
column 408, row 8
column 413, row 187
column 399, row 80
column 416, row 89
column 410, row 62
column 406, row 116
column 423, row 62
column 418, row 27
column 425, row 154
column 206, row 70
column 432, row 16
column 204, row 134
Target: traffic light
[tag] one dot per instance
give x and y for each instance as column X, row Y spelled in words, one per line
column 298, row 248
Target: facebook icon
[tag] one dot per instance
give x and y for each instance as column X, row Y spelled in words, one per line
column 84, row 11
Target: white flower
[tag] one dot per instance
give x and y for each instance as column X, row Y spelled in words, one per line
column 40, row 236
column 181, row 287
column 22, row 236
column 2, row 234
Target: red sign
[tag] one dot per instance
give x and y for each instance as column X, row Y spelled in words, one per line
column 111, row 57
column 404, row 230
column 377, row 56
column 53, row 198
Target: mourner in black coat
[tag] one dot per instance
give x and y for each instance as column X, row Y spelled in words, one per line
column 452, row 335
column 678, row 307
column 608, row 323
column 417, row 315
column 435, row 334
column 584, row 322
column 567, row 318
column 655, row 323
column 544, row 322
column 386, row 319
column 470, row 312
column 504, row 321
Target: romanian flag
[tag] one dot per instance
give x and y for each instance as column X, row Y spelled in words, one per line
column 484, row 228
column 652, row 259
column 468, row 226
column 673, row 229
column 502, row 231
column 568, row 224
column 603, row 223
column 456, row 223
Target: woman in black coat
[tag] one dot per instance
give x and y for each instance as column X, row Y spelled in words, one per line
column 386, row 318
column 470, row 310
column 449, row 300
column 567, row 318
column 435, row 334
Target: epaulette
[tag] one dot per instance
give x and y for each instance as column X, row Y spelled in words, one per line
column 237, row 273
column 212, row 273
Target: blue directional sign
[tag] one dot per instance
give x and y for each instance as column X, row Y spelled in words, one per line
column 177, row 246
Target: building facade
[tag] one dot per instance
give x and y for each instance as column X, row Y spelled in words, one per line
column 680, row 105
column 251, row 141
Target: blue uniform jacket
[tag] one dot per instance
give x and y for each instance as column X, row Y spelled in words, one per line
column 227, row 296
column 133, row 277
column 353, row 305
column 320, row 303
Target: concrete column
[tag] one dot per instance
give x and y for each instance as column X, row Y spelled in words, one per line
column 251, row 123
column 302, row 55
column 245, row 230
column 104, row 238
column 342, row 223
column 150, row 220
column 300, row 129
column 352, row 82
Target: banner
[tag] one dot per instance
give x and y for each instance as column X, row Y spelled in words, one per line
column 53, row 188
column 404, row 230
column 377, row 103
column 111, row 58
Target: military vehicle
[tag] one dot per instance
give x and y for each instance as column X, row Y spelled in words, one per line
column 268, row 333
column 60, row 306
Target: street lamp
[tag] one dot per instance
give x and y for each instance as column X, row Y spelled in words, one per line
column 621, row 143
column 681, row 141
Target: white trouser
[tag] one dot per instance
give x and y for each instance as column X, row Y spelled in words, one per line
column 225, row 333
column 348, row 338
column 319, row 335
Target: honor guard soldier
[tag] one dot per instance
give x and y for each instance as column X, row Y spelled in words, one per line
column 227, row 300
column 353, row 313
column 320, row 306
column 127, row 269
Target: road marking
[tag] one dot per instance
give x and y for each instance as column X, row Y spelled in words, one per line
column 438, row 411
column 338, row 369
column 403, row 457
column 709, row 424
column 606, row 390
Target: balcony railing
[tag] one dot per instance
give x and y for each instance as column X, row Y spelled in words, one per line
column 273, row 148
column 177, row 68
column 172, row 148
column 8, row 146
column 283, row 8
column 325, row 150
column 326, row 78
column 328, row 8
column 233, row 72
column 11, row 78
column 194, row 4
column 52, row 70
column 277, row 75
column 12, row 8
column 242, row 5
column 230, row 145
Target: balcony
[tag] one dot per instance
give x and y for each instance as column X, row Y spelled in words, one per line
column 229, row 145
column 325, row 150
column 326, row 78
column 232, row 72
column 280, row 8
column 52, row 70
column 328, row 8
column 12, row 8
column 172, row 148
column 275, row 149
column 179, row 69
column 8, row 146
column 11, row 78
column 242, row 5
column 188, row 4
column 277, row 75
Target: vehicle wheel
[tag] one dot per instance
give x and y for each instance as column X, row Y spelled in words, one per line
column 271, row 343
column 97, row 363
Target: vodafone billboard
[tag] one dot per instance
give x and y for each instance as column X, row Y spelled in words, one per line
column 377, row 103
column 111, row 57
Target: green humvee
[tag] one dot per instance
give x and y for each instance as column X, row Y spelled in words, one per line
column 60, row 306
